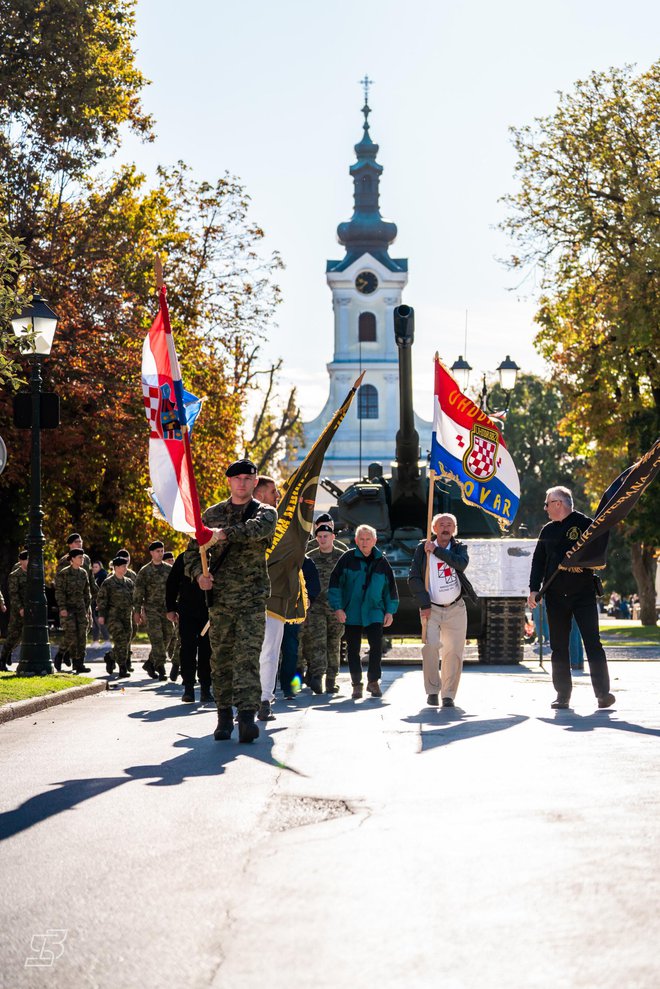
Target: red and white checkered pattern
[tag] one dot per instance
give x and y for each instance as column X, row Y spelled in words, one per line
column 151, row 399
column 481, row 461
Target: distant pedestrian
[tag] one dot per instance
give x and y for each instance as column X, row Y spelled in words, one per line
column 321, row 632
column 572, row 593
column 74, row 541
column 74, row 600
column 115, row 608
column 441, row 602
column 99, row 632
column 149, row 608
column 17, row 584
column 363, row 595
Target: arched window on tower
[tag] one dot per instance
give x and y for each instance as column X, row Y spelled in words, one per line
column 367, row 327
column 367, row 402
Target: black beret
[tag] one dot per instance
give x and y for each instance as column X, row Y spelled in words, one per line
column 168, row 556
column 119, row 561
column 157, row 544
column 23, row 555
column 75, row 552
column 124, row 553
column 72, row 538
column 324, row 517
column 324, row 527
column 240, row 467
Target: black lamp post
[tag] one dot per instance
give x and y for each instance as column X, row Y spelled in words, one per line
column 507, row 373
column 35, row 328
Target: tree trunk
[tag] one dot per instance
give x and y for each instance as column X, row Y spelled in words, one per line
column 643, row 568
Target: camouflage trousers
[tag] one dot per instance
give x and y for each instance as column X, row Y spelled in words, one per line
column 174, row 648
column 321, row 639
column 121, row 633
column 236, row 639
column 74, row 640
column 159, row 630
column 14, row 635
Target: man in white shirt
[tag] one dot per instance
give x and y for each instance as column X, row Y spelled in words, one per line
column 439, row 584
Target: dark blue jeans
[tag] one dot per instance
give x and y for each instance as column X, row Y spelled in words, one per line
column 353, row 635
column 561, row 609
column 289, row 662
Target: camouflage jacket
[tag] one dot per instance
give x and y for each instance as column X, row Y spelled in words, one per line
column 17, row 583
column 115, row 598
column 150, row 587
column 238, row 564
column 325, row 564
column 72, row 589
column 64, row 561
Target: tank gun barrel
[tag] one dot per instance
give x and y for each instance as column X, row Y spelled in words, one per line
column 407, row 438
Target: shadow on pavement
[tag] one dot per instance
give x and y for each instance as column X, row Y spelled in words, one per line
column 457, row 728
column 570, row 721
column 196, row 757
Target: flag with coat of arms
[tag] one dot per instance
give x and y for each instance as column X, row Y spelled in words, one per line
column 467, row 447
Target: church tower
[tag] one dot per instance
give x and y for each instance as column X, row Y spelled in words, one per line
column 366, row 285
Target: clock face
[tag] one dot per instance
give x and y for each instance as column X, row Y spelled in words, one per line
column 366, row 282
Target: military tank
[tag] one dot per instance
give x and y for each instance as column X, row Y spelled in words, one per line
column 396, row 505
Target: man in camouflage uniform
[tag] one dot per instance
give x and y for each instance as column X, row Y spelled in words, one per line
column 74, row 600
column 115, row 609
column 322, row 632
column 238, row 576
column 131, row 574
column 174, row 645
column 150, row 609
column 17, row 584
column 74, row 541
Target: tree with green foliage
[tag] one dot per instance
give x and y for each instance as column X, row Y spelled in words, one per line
column 587, row 216
column 91, row 241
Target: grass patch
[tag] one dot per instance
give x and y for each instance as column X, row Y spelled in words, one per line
column 638, row 635
column 19, row 688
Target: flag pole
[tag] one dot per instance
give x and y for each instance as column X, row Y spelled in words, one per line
column 429, row 519
column 176, row 375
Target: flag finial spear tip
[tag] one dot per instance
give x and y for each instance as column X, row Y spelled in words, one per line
column 359, row 380
column 158, row 270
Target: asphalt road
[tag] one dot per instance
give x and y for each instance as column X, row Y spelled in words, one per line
column 378, row 843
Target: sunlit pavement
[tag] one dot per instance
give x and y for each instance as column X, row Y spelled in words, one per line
column 379, row 842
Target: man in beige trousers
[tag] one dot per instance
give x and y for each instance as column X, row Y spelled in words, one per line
column 441, row 604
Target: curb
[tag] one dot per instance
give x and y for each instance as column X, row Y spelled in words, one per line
column 20, row 709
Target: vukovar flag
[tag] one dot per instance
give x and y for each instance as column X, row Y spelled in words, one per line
column 168, row 466
column 468, row 447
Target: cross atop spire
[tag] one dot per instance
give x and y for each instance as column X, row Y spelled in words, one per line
column 365, row 83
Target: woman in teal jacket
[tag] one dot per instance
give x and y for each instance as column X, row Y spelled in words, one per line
column 363, row 595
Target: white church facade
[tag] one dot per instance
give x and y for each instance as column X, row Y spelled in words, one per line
column 366, row 286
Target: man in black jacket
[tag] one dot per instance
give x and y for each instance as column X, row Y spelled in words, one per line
column 442, row 607
column 186, row 604
column 571, row 593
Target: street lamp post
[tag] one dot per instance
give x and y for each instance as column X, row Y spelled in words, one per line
column 507, row 373
column 35, row 328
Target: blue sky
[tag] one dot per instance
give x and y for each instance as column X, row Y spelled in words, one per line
column 269, row 92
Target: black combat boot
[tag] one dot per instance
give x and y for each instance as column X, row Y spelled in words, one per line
column 109, row 662
column 160, row 673
column 225, row 724
column 5, row 662
column 316, row 683
column 206, row 694
column 81, row 668
column 188, row 695
column 123, row 672
column 66, row 658
column 57, row 660
column 174, row 672
column 148, row 667
column 247, row 729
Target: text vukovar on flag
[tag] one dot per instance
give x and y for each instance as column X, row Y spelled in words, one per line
column 468, row 447
column 171, row 412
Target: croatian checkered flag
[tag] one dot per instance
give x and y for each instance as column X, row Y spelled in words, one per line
column 468, row 448
column 171, row 412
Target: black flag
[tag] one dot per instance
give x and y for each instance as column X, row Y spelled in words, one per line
column 622, row 495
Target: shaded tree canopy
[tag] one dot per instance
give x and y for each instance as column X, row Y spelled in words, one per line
column 587, row 216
